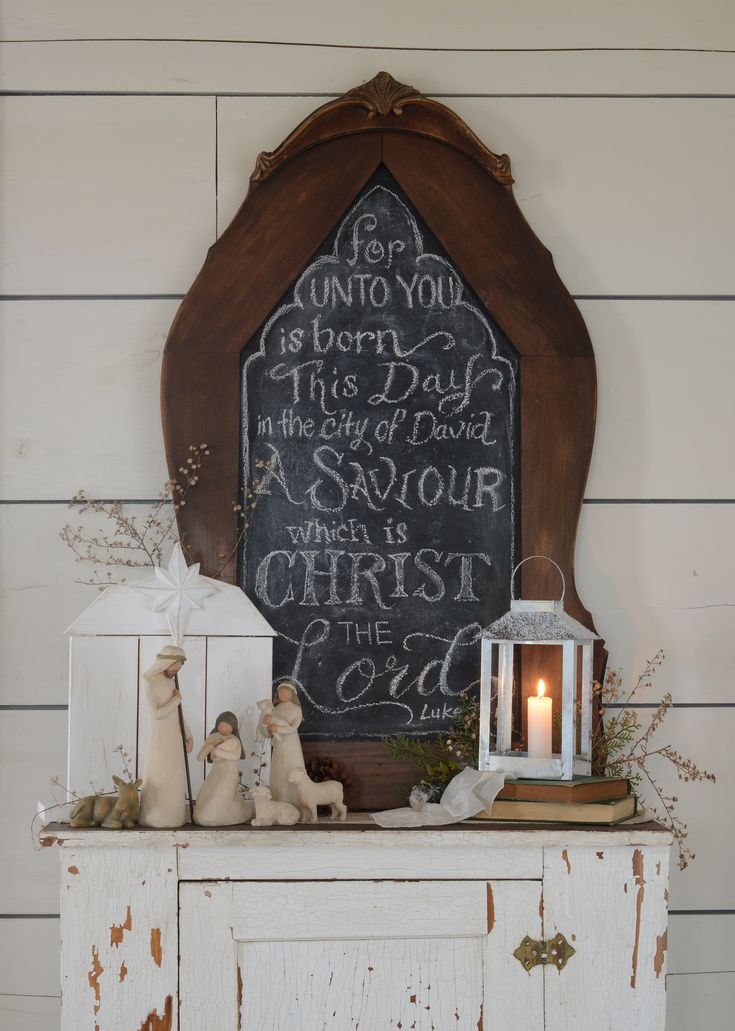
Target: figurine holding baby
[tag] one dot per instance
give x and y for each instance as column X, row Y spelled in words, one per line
column 280, row 722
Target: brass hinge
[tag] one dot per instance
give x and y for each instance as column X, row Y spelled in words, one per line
column 555, row 951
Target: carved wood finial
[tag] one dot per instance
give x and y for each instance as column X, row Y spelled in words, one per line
column 383, row 95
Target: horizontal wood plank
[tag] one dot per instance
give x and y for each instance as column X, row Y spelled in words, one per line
column 699, row 942
column 186, row 66
column 20, row 940
column 95, row 422
column 361, row 861
column 357, row 831
column 95, row 419
column 24, row 1013
column 653, row 576
column 33, row 749
column 415, row 23
column 105, row 195
column 660, row 577
column 664, row 413
column 40, row 599
column 605, row 240
column 348, row 910
column 599, row 181
column 700, row 1001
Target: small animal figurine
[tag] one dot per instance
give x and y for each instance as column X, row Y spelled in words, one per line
column 106, row 811
column 268, row 812
column 268, row 720
column 311, row 795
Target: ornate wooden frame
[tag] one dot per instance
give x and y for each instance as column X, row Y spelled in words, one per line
column 297, row 194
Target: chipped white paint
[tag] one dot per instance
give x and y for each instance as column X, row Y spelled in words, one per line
column 610, row 903
column 119, row 939
column 384, row 954
column 347, row 929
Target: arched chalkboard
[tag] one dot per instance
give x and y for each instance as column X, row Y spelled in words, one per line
column 460, row 195
column 380, row 415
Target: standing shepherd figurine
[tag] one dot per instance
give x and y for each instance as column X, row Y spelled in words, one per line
column 282, row 725
column 163, row 796
column 220, row 802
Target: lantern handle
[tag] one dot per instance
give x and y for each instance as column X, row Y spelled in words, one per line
column 546, row 559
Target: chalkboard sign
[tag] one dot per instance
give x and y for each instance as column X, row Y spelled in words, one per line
column 380, row 415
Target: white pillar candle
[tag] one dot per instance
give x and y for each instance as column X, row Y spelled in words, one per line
column 539, row 724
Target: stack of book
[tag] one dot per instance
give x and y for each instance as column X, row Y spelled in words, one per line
column 603, row 800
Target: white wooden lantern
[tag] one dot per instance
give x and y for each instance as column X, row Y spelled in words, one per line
column 537, row 623
column 229, row 647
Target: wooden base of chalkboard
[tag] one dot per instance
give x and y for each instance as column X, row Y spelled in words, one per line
column 378, row 782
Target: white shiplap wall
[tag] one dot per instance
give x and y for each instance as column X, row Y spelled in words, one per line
column 128, row 135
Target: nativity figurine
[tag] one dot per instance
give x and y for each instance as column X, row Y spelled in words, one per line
column 163, row 796
column 268, row 812
column 106, row 810
column 281, row 724
column 220, row 802
column 311, row 794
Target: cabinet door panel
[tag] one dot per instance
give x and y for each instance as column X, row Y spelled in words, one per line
column 283, row 956
column 611, row 906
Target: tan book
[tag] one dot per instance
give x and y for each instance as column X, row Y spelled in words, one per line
column 608, row 812
column 579, row 789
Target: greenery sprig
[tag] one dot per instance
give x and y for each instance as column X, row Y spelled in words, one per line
column 623, row 746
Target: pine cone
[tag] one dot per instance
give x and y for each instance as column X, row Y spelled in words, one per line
column 322, row 767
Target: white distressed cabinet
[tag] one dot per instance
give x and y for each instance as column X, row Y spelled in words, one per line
column 360, row 929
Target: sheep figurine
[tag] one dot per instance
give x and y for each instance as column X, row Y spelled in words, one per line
column 106, row 811
column 266, row 720
column 268, row 812
column 311, row 795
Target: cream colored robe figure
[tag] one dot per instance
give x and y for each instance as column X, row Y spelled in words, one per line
column 163, row 795
column 286, row 754
column 220, row 803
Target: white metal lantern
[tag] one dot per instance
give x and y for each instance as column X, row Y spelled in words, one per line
column 537, row 623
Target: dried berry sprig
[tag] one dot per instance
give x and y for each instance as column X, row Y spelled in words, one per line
column 244, row 509
column 629, row 750
column 135, row 541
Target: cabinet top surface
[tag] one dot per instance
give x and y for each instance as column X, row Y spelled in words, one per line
column 361, row 830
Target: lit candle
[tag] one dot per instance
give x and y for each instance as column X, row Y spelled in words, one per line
column 539, row 724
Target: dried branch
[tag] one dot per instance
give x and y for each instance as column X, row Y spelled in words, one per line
column 244, row 510
column 134, row 541
column 629, row 751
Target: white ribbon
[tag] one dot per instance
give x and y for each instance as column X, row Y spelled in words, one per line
column 466, row 795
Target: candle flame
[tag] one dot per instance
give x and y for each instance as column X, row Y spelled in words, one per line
column 540, row 689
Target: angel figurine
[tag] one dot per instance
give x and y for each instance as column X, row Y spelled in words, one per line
column 220, row 802
column 281, row 724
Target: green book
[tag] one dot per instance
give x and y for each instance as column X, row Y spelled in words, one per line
column 580, row 789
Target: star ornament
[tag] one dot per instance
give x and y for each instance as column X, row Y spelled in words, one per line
column 177, row 590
